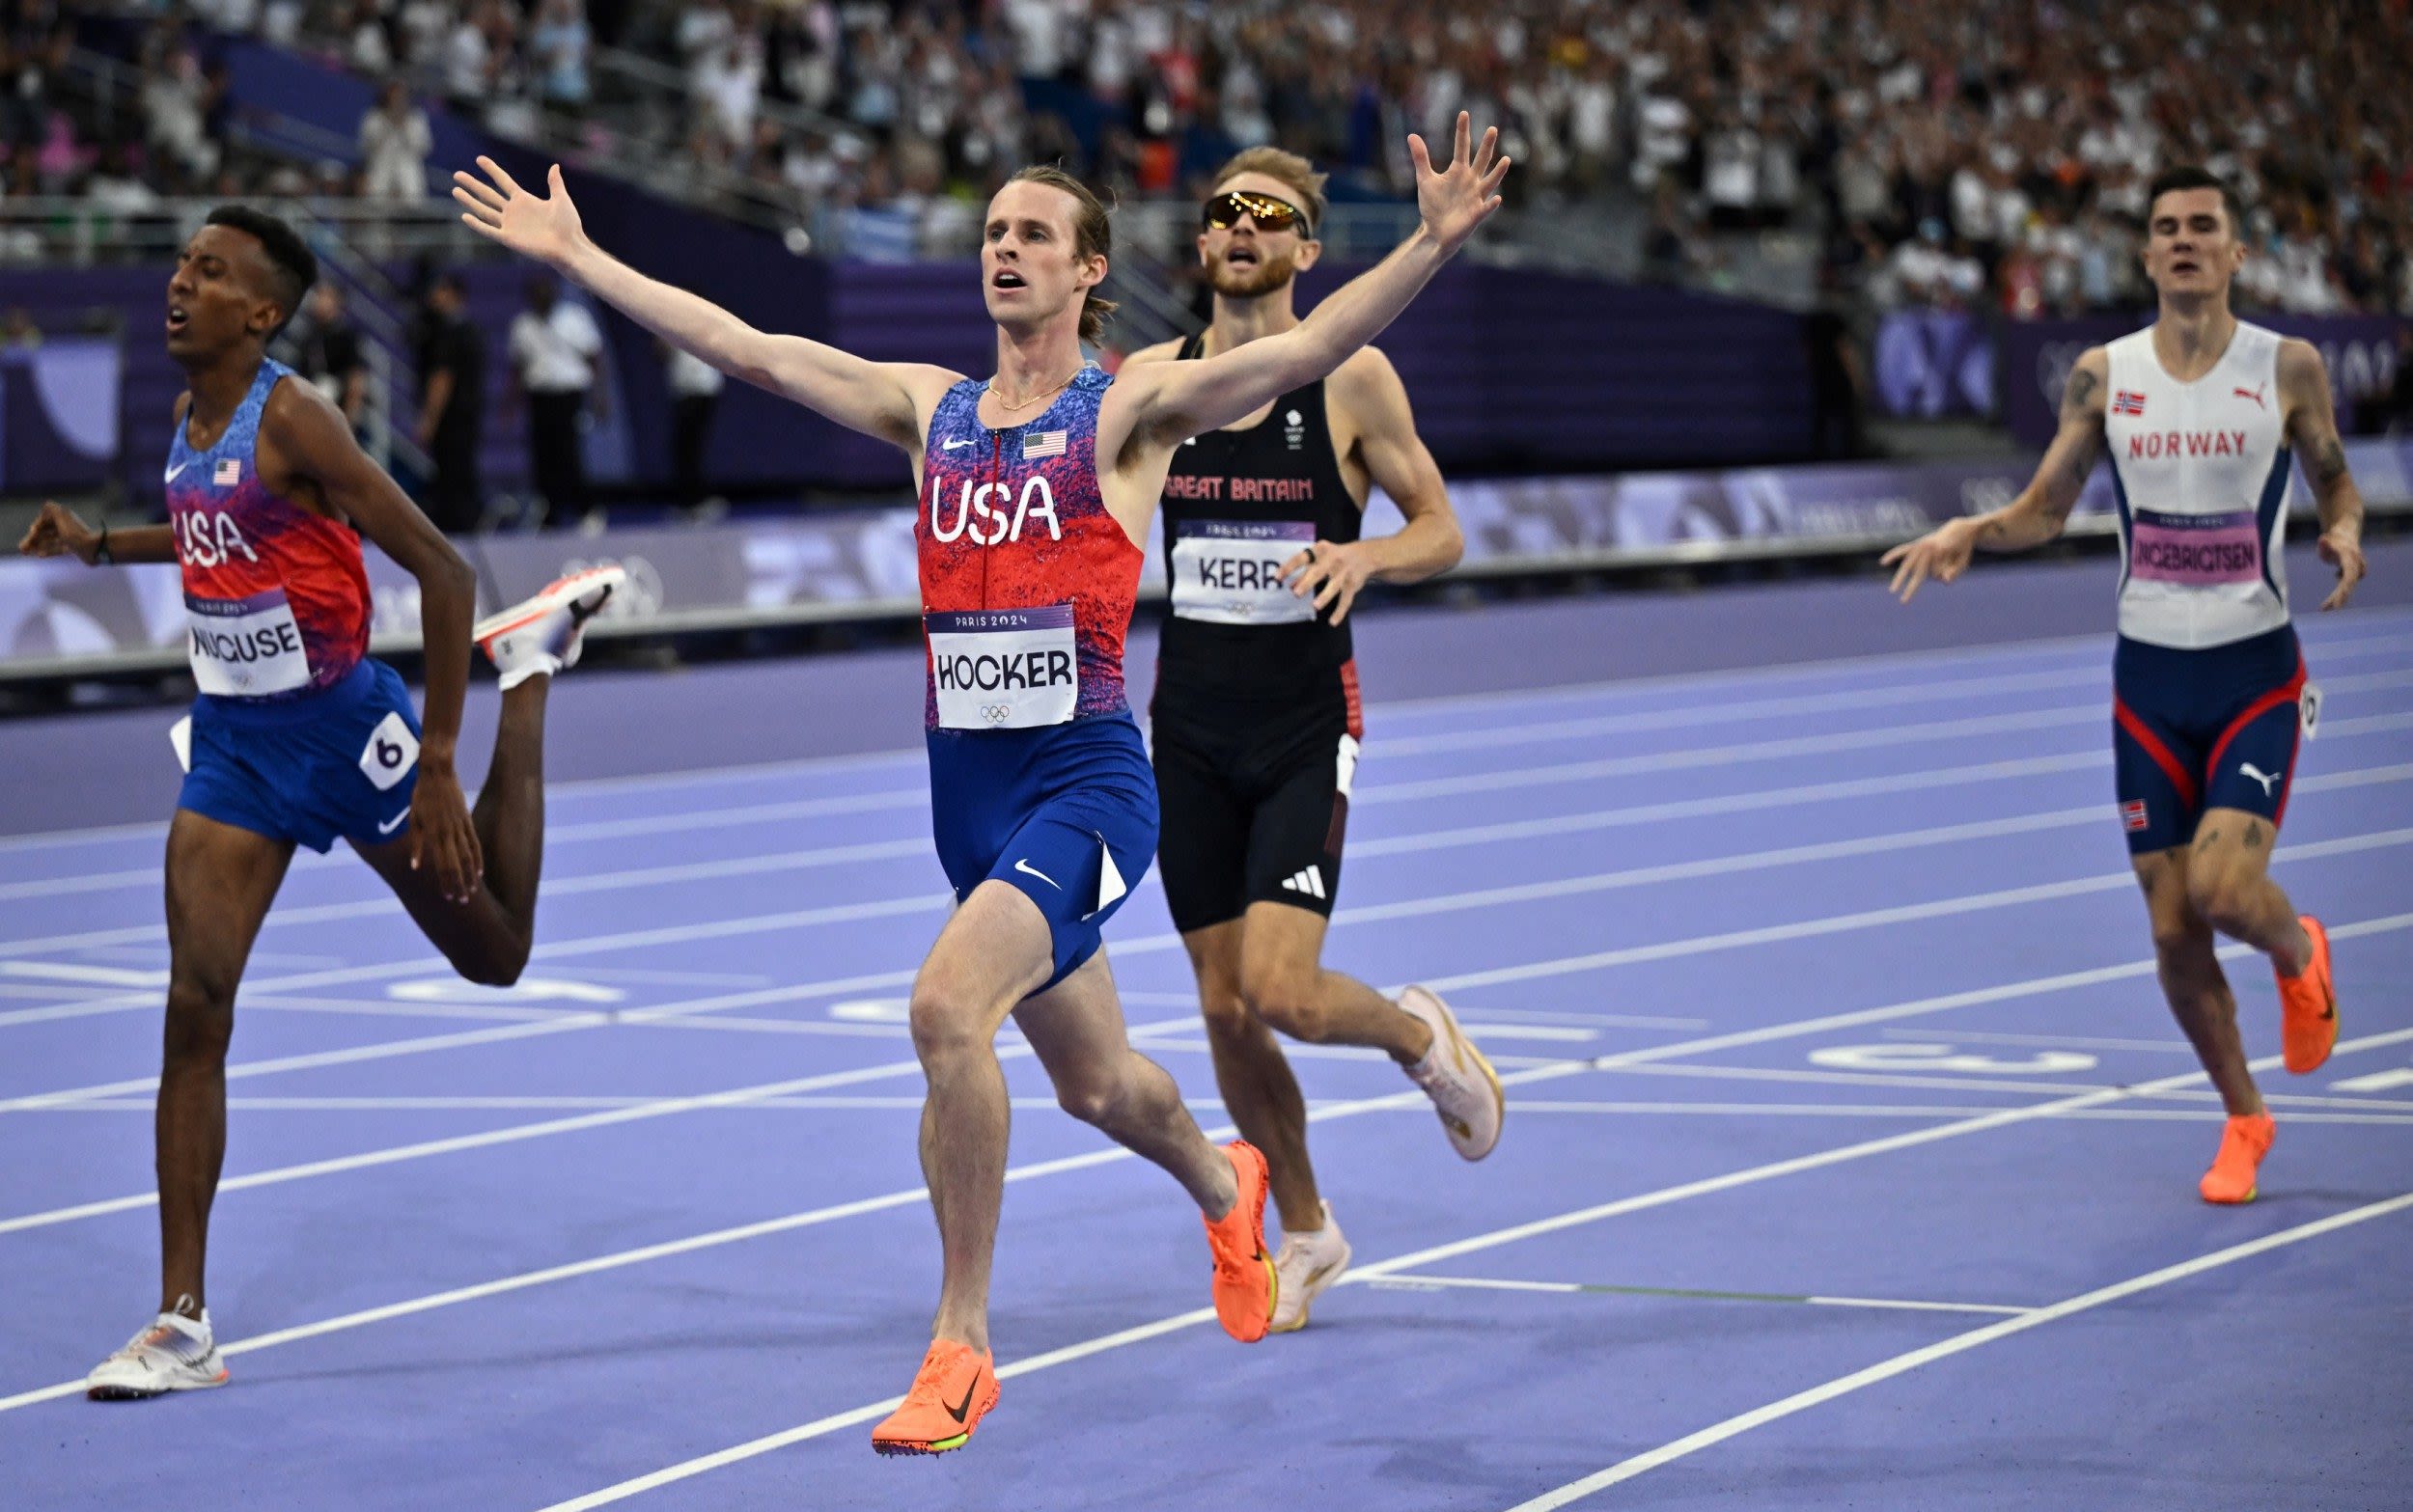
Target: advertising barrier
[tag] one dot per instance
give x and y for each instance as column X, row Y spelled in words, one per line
column 61, row 619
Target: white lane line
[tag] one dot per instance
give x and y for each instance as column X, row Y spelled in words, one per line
column 1410, row 1100
column 1871, row 918
column 381, row 1051
column 84, row 975
column 873, row 981
column 1959, row 1343
column 1790, row 747
column 2054, row 1041
column 2095, row 647
column 1211, row 1107
column 2317, row 645
column 1664, row 1197
column 1422, row 1282
column 515, row 1134
column 1977, row 1084
column 384, row 905
column 2094, row 675
column 740, row 1233
column 1893, row 1110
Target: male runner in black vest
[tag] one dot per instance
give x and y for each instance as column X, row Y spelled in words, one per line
column 1256, row 715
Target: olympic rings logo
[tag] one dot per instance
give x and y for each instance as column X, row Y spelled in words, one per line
column 996, row 713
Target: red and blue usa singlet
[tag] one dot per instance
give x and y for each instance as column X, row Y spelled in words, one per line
column 1027, row 581
column 278, row 596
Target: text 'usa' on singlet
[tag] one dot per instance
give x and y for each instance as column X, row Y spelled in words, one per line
column 1027, row 581
column 2199, row 473
column 1237, row 505
column 278, row 596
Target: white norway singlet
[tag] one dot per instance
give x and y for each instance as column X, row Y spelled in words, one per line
column 2201, row 473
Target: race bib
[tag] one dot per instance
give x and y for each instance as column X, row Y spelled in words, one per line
column 2195, row 550
column 1003, row 669
column 248, row 647
column 1229, row 572
column 391, row 753
column 2308, row 709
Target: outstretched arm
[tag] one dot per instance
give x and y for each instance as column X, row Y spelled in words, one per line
column 60, row 532
column 1177, row 400
column 1367, row 390
column 2313, row 430
column 876, row 398
column 305, row 438
column 2043, row 507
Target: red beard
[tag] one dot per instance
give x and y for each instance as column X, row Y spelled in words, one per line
column 1271, row 272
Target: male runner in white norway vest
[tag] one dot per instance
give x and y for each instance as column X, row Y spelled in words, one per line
column 2197, row 413
column 1256, row 722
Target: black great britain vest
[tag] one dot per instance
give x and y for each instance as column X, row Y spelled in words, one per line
column 1238, row 504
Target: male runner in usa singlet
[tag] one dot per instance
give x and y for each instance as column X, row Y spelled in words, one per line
column 1255, row 724
column 2197, row 413
column 298, row 737
column 1036, row 491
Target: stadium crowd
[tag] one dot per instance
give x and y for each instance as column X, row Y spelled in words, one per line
column 1953, row 153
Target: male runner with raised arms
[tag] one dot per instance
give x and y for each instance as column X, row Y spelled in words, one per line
column 1036, row 491
column 1254, row 724
column 2197, row 413
column 298, row 737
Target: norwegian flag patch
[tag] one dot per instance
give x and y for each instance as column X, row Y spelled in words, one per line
column 1049, row 442
column 2127, row 402
column 2132, row 815
column 230, row 472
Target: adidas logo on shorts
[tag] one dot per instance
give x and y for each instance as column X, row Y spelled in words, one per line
column 1309, row 881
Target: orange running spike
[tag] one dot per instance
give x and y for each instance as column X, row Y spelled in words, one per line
column 2308, row 1007
column 2242, row 1146
column 952, row 1392
column 1244, row 1272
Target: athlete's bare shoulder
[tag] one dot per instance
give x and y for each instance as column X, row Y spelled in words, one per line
column 2300, row 363
column 1365, row 369
column 2084, row 394
column 1162, row 351
column 1365, row 392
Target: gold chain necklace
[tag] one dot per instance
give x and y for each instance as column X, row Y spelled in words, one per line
column 1010, row 408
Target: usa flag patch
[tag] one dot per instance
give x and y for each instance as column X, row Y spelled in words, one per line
column 1049, row 443
column 2127, row 402
column 2132, row 814
column 230, row 472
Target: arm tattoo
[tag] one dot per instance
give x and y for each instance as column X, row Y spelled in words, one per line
column 2074, row 399
column 2329, row 464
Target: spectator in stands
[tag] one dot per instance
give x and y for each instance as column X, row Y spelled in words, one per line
column 395, row 144
column 326, row 351
column 554, row 348
column 175, row 111
column 18, row 333
column 558, row 48
column 452, row 405
column 695, row 393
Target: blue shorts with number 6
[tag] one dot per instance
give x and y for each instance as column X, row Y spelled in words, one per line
column 336, row 764
column 2193, row 730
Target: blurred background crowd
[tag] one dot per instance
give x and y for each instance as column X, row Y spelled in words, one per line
column 1951, row 152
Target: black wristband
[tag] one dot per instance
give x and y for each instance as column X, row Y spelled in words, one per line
column 100, row 557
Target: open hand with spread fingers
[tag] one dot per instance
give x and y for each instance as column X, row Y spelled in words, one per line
column 1942, row 553
column 1461, row 195
column 544, row 227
